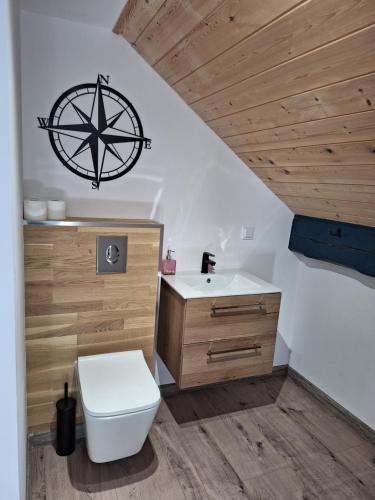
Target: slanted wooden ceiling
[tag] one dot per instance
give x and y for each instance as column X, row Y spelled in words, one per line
column 289, row 85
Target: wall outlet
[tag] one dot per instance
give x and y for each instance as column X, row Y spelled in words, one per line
column 248, row 232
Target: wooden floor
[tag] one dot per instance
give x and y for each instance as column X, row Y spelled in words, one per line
column 265, row 440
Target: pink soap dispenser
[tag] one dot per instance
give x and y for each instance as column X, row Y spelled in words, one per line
column 168, row 265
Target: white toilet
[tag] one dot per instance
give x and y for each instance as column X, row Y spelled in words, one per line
column 120, row 399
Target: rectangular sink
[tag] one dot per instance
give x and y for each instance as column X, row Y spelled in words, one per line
column 221, row 284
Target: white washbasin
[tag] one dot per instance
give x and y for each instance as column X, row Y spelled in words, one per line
column 225, row 283
column 219, row 282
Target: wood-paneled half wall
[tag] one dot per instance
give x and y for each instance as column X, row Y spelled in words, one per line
column 289, row 85
column 71, row 311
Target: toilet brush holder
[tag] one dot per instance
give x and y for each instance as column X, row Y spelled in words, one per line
column 66, row 424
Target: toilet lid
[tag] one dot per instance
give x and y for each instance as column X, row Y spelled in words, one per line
column 116, row 384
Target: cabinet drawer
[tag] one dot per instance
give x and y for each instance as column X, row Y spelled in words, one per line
column 226, row 317
column 219, row 360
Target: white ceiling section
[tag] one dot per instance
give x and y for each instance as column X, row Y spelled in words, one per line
column 102, row 13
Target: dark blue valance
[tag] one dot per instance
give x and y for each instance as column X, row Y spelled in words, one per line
column 350, row 245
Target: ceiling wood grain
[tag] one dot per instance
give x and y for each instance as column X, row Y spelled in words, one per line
column 289, row 86
column 350, row 96
column 344, row 59
column 174, row 20
column 347, row 175
column 135, row 18
column 228, row 25
column 348, row 128
column 311, row 25
column 328, row 154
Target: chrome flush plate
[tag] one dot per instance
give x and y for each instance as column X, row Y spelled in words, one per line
column 111, row 254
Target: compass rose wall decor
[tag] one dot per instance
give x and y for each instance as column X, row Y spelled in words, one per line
column 95, row 132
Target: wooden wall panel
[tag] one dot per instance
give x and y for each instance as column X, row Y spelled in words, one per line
column 307, row 27
column 227, row 25
column 359, row 193
column 347, row 58
column 71, row 311
column 289, row 86
column 135, row 18
column 352, row 153
column 350, row 96
column 319, row 174
column 181, row 16
column 322, row 214
column 361, row 209
column 347, row 128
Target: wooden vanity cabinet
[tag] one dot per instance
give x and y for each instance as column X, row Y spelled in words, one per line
column 209, row 340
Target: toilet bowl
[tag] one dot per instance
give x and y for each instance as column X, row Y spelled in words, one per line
column 120, row 399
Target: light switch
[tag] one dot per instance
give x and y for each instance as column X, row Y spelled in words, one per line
column 248, row 232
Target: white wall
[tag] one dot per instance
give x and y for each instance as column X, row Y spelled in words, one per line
column 190, row 180
column 12, row 353
column 333, row 342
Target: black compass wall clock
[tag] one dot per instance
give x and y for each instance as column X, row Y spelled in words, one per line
column 95, row 132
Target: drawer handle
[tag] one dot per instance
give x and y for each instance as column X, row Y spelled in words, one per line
column 240, row 352
column 216, row 312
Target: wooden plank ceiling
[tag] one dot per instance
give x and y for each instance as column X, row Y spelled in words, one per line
column 289, row 85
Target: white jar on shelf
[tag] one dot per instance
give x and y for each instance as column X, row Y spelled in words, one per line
column 35, row 209
column 56, row 209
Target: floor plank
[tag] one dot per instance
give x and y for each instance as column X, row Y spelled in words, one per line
column 281, row 484
column 167, row 440
column 263, row 440
column 219, row 478
column 285, row 435
column 360, row 459
column 244, row 446
column 37, row 473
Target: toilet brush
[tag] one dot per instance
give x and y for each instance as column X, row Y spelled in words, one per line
column 66, row 424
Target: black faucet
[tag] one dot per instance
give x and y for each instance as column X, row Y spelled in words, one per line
column 207, row 263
